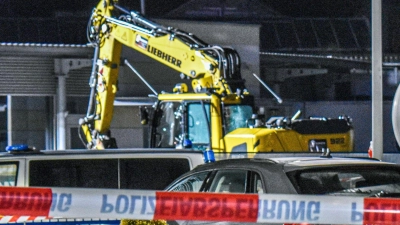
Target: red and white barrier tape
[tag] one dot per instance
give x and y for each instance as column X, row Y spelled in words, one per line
column 21, row 219
column 28, row 203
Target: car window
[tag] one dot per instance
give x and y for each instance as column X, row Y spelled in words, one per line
column 8, row 174
column 229, row 181
column 192, row 183
column 257, row 186
column 85, row 173
column 349, row 180
column 133, row 173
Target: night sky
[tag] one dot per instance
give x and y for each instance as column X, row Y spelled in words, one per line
column 47, row 8
column 157, row 8
column 72, row 15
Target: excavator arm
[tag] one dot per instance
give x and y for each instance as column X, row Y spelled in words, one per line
column 212, row 69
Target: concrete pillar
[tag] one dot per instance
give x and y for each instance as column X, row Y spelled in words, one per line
column 61, row 70
column 9, row 120
column 61, row 111
column 377, row 90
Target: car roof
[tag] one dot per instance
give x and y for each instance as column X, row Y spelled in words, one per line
column 319, row 161
column 88, row 153
column 291, row 163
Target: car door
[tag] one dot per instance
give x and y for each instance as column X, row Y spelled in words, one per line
column 218, row 181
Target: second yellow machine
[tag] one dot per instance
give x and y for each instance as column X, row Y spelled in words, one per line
column 217, row 114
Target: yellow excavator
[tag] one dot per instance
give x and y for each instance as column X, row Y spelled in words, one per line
column 218, row 113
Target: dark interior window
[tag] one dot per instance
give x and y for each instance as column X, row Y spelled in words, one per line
column 89, row 173
column 151, row 174
column 140, row 173
column 348, row 180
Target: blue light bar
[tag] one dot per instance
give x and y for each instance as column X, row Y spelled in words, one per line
column 208, row 156
column 17, row 148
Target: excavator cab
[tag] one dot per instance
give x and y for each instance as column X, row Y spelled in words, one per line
column 183, row 124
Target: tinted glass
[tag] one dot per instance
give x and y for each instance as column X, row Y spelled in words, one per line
column 236, row 116
column 345, row 181
column 198, row 123
column 139, row 173
column 90, row 173
column 169, row 126
column 229, row 181
column 151, row 174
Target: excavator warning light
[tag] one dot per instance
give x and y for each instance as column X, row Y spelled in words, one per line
column 180, row 88
column 104, row 28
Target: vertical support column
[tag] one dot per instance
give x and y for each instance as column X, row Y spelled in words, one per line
column 9, row 120
column 61, row 112
column 377, row 92
column 61, row 104
column 61, row 70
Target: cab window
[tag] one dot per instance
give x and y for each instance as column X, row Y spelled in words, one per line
column 8, row 174
column 169, row 126
column 198, row 123
column 236, row 116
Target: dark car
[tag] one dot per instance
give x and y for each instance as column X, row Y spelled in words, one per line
column 324, row 175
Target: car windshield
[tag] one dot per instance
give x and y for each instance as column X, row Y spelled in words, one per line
column 368, row 181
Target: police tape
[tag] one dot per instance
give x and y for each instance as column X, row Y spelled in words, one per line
column 20, row 202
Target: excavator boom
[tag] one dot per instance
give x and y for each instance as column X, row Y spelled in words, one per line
column 218, row 113
column 211, row 68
